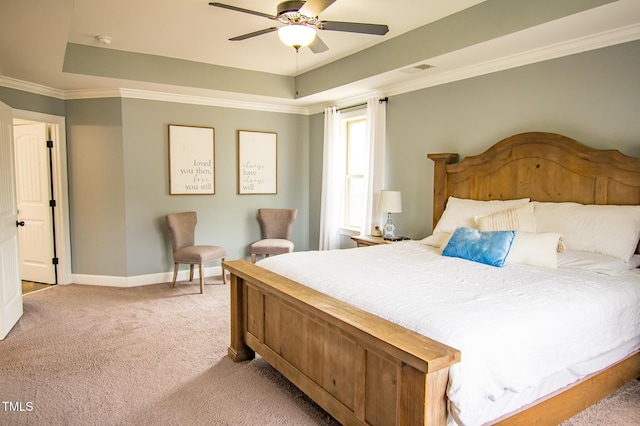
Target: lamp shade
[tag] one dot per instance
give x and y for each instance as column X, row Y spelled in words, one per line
column 390, row 202
column 296, row 35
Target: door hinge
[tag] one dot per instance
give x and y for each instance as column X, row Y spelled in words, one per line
column 54, row 261
column 49, row 144
column 52, row 203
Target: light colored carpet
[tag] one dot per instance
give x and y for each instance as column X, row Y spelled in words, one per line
column 154, row 355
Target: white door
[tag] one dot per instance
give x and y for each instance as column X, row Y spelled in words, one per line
column 33, row 193
column 10, row 284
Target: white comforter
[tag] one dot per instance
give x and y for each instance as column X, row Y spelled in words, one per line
column 516, row 326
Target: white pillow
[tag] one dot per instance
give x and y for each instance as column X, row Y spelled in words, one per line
column 461, row 212
column 534, row 249
column 518, row 219
column 436, row 240
column 606, row 229
column 596, row 262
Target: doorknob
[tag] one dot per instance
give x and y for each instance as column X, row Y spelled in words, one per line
column 21, row 223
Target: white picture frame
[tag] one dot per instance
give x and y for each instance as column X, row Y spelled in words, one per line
column 257, row 162
column 191, row 160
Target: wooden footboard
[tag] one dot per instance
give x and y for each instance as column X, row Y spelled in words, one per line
column 360, row 368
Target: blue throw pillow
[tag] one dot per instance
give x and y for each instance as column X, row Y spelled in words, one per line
column 488, row 247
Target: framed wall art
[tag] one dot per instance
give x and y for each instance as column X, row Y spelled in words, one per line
column 191, row 160
column 257, row 162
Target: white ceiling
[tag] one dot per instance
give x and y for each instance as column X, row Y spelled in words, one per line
column 34, row 34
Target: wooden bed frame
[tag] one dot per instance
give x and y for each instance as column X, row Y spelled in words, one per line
column 365, row 370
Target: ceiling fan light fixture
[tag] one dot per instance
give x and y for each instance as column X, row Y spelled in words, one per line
column 296, row 35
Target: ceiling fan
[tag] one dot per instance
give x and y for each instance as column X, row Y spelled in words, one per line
column 301, row 22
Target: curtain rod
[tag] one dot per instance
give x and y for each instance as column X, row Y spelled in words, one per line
column 381, row 100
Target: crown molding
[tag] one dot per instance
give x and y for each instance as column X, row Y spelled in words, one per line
column 210, row 101
column 37, row 89
column 26, row 86
column 183, row 99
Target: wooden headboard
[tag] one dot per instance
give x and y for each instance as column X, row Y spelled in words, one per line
column 541, row 166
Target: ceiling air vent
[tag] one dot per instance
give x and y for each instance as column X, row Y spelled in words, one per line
column 417, row 68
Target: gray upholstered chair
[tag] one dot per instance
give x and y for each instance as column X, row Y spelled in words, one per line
column 182, row 227
column 276, row 232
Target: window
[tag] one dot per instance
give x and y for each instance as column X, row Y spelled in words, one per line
column 352, row 171
column 354, row 128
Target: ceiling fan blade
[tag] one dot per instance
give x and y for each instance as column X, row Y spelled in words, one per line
column 355, row 27
column 317, row 45
column 239, row 9
column 312, row 8
column 253, row 34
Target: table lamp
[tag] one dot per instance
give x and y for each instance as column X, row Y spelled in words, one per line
column 389, row 202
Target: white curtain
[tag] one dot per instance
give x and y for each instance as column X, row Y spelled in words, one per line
column 333, row 171
column 374, row 176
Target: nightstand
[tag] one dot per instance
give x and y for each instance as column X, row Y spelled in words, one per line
column 369, row 240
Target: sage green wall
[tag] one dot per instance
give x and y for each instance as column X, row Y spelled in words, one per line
column 118, row 173
column 94, row 60
column 593, row 97
column 117, row 152
column 17, row 99
column 226, row 218
column 97, row 211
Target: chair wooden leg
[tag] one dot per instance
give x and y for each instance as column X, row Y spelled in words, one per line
column 175, row 274
column 201, row 267
column 253, row 258
column 224, row 275
column 191, row 272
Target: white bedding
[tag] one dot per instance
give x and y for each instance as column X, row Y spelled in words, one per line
column 522, row 331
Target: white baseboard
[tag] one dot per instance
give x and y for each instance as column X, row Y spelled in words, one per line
column 139, row 280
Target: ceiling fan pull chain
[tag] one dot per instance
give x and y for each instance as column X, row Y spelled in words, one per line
column 295, row 79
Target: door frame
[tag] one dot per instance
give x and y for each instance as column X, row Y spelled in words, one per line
column 60, row 188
